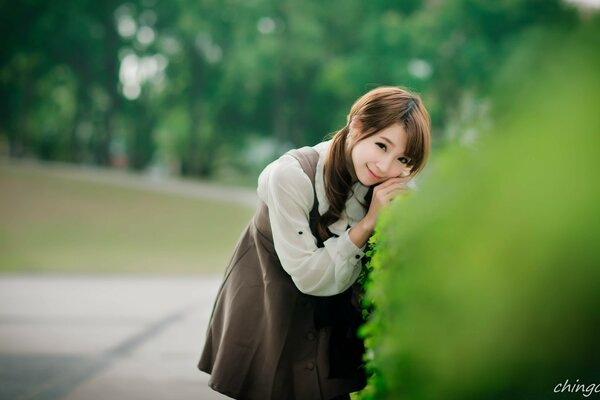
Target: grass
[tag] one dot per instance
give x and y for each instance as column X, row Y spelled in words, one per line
column 52, row 224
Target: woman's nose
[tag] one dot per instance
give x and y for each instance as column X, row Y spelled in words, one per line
column 384, row 165
column 387, row 168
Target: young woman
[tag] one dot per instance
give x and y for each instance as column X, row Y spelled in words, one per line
column 285, row 318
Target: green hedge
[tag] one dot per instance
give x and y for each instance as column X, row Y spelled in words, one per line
column 486, row 282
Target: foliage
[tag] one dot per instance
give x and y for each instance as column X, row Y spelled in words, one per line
column 365, row 277
column 489, row 287
column 110, row 82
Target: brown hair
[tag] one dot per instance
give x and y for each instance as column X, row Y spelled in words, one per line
column 376, row 110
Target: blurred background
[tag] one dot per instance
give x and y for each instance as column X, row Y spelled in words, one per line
column 132, row 134
column 217, row 89
column 214, row 91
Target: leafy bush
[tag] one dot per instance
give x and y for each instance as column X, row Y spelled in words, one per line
column 486, row 283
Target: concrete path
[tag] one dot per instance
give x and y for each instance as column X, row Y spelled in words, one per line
column 82, row 338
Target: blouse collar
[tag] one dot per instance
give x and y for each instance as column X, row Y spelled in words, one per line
column 354, row 211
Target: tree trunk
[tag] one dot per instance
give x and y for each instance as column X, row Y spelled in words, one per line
column 111, row 81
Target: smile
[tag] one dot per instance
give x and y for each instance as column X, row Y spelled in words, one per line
column 372, row 174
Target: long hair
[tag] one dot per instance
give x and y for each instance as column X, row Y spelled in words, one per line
column 376, row 110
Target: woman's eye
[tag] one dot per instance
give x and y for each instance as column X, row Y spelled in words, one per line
column 381, row 146
column 403, row 160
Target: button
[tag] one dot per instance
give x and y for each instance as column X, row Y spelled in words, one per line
column 310, row 336
column 310, row 365
column 300, row 233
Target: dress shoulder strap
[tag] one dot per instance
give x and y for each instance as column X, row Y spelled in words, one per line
column 308, row 158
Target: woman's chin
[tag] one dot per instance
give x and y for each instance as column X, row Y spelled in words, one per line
column 368, row 181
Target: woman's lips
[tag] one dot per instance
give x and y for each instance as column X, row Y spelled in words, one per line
column 372, row 174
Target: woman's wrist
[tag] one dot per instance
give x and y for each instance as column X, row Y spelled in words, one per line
column 368, row 223
column 359, row 234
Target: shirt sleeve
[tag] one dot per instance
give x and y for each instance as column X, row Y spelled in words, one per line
column 316, row 271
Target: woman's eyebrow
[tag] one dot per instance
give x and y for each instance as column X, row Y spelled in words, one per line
column 392, row 143
column 388, row 140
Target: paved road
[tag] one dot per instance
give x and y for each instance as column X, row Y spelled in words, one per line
column 81, row 338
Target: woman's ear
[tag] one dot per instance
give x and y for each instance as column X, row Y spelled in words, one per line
column 355, row 125
column 354, row 129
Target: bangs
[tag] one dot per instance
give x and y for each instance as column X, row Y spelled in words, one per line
column 385, row 106
column 417, row 146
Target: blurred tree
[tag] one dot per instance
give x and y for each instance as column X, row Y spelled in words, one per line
column 467, row 41
column 44, row 39
column 185, row 83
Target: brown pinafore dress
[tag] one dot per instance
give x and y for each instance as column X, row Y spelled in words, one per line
column 268, row 340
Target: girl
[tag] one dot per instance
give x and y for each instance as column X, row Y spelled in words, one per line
column 285, row 318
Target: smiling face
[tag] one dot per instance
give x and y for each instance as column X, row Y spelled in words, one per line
column 380, row 156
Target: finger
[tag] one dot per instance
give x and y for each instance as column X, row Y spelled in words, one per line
column 405, row 179
column 391, row 181
column 388, row 185
column 384, row 184
column 396, row 193
column 392, row 188
column 402, row 179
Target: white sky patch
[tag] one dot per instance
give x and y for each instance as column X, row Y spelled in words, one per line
column 419, row 68
column 589, row 4
column 266, row 25
column 136, row 70
column 145, row 35
column 132, row 92
column 126, row 26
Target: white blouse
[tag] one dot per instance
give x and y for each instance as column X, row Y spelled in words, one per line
column 288, row 193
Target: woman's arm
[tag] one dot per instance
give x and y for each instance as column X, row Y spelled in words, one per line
column 324, row 271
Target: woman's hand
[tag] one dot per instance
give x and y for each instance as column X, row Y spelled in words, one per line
column 383, row 194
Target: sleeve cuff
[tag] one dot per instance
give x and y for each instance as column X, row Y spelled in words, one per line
column 348, row 250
